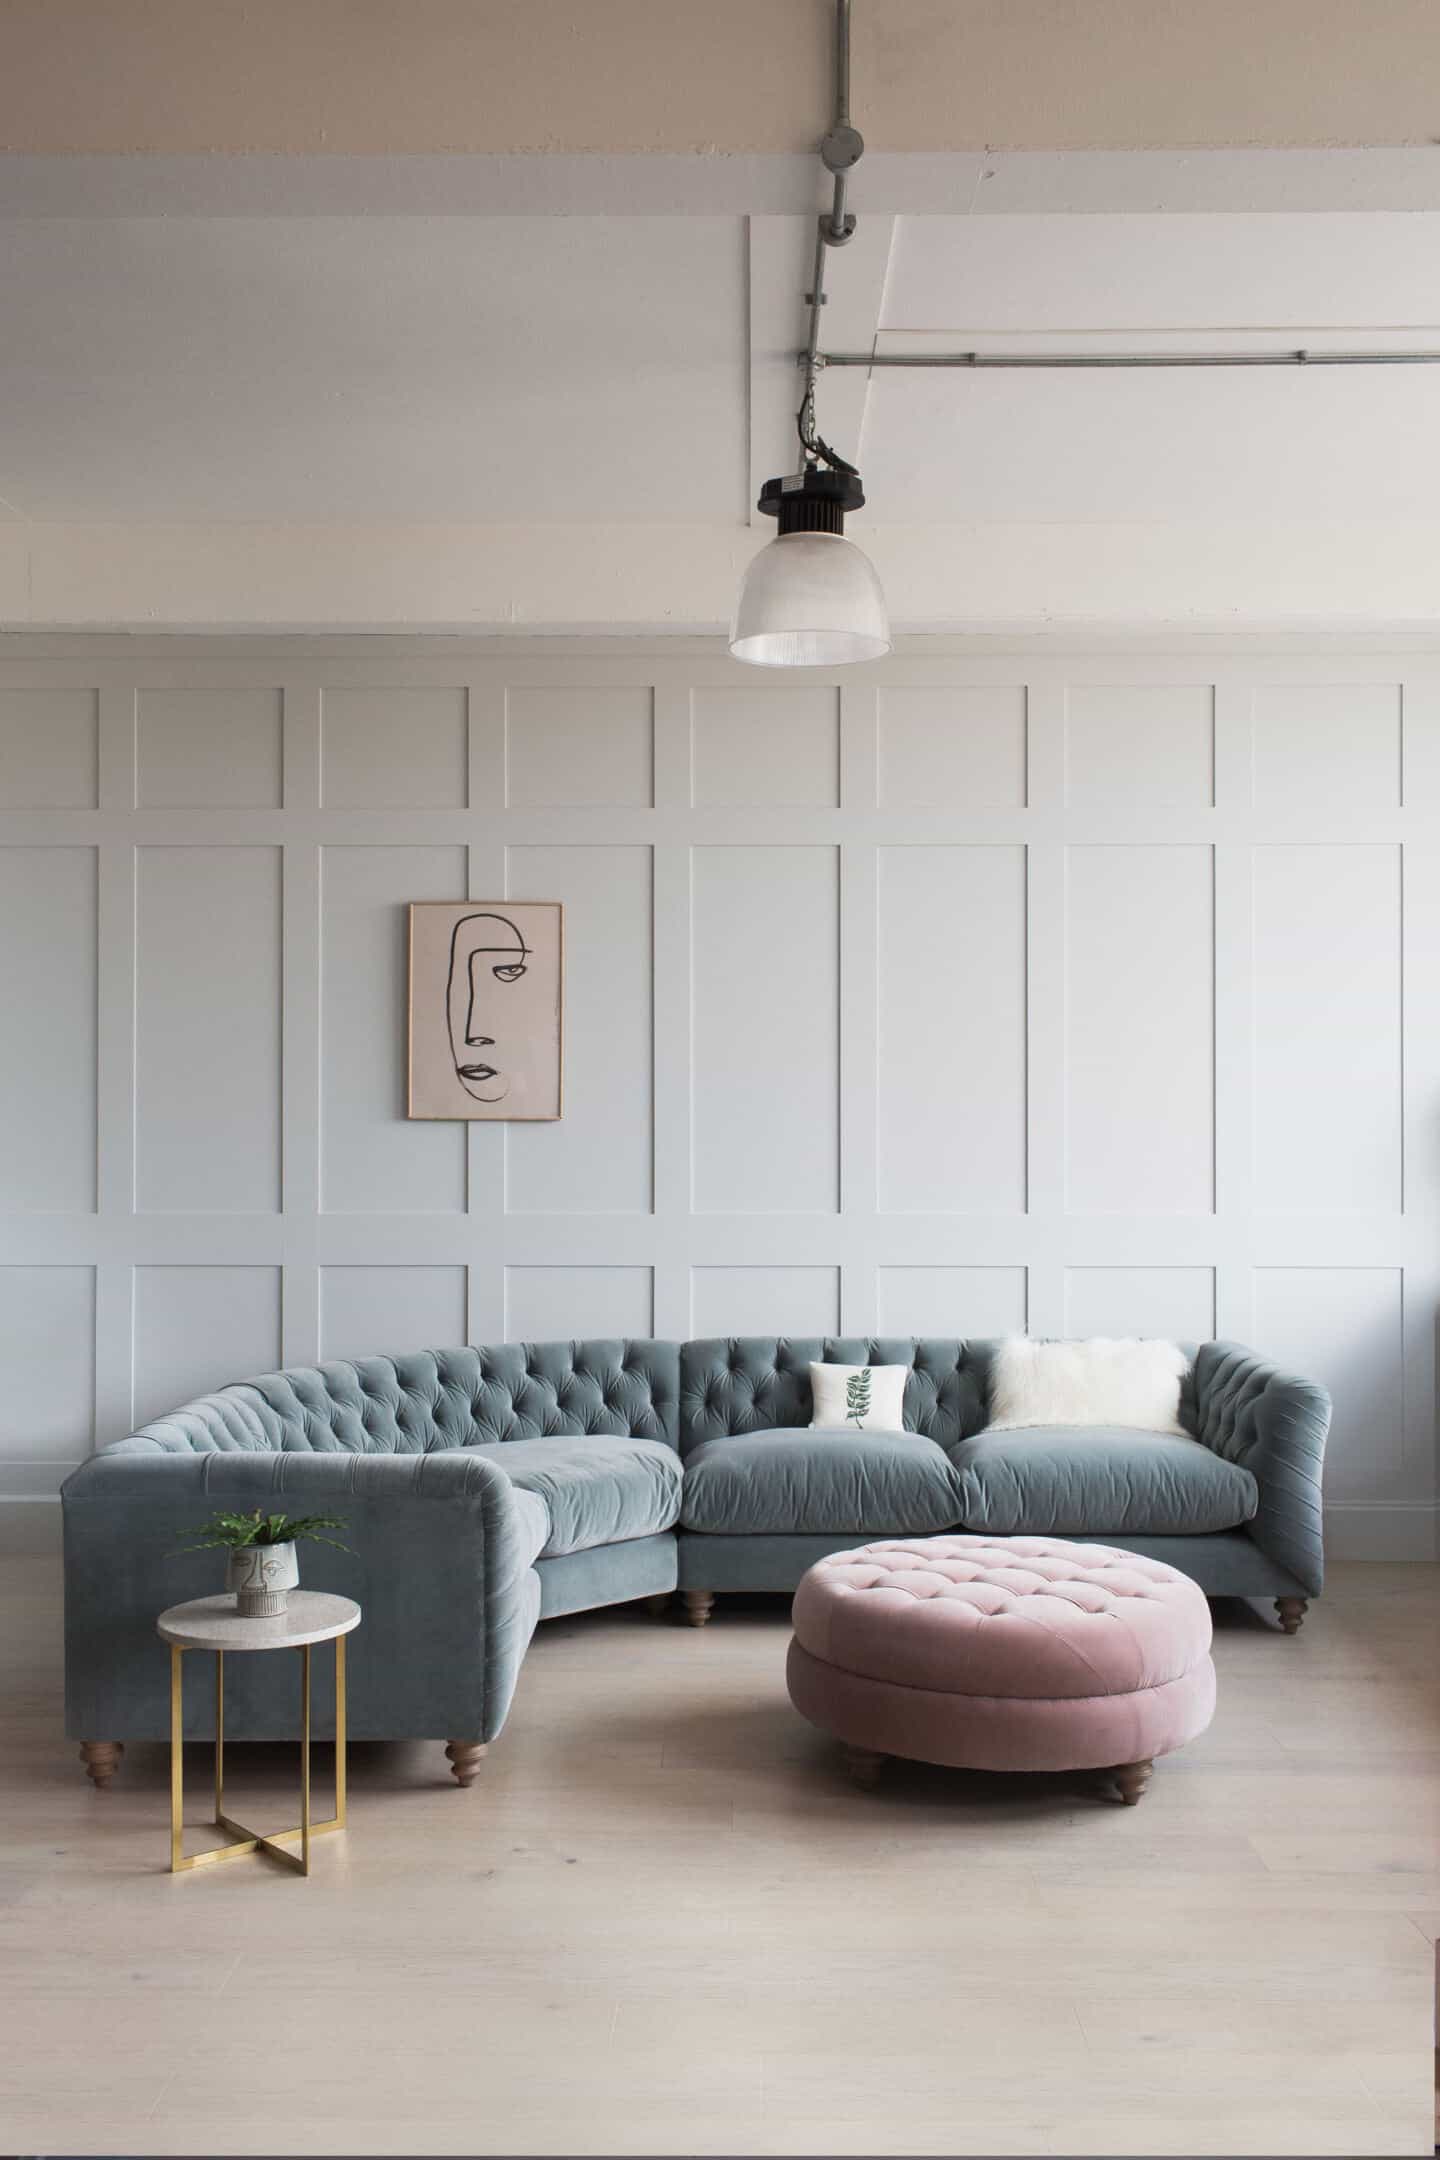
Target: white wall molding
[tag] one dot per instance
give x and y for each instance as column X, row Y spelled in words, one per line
column 1011, row 980
column 204, row 657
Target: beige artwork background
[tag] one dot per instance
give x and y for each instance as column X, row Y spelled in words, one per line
column 522, row 1014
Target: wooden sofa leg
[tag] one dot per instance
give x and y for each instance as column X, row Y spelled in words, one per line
column 699, row 1604
column 101, row 1759
column 1292, row 1611
column 464, row 1760
column 1131, row 1780
column 864, row 1765
column 659, row 1604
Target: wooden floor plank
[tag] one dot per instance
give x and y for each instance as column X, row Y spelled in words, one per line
column 664, row 1921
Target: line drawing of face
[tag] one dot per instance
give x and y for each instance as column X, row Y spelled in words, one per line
column 485, row 949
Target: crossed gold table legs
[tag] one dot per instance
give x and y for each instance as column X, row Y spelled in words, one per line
column 250, row 1840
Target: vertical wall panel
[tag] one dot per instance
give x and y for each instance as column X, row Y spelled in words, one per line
column 599, row 1158
column 394, row 750
column 564, row 1303
column 49, row 749
column 584, row 749
column 1344, row 1326
column 1148, row 746
column 766, row 1030
column 760, row 1300
column 375, row 1160
column 1328, row 746
column 1175, row 1302
column 951, row 1088
column 198, row 1328
column 952, row 748
column 951, row 1301
column 47, row 1345
column 207, row 1022
column 47, row 1029
column 1328, row 1039
column 771, row 748
column 371, row 1308
column 208, row 749
column 1140, row 1033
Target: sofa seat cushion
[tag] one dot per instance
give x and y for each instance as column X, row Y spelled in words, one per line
column 1085, row 1480
column 796, row 1478
column 532, row 1519
column 597, row 1491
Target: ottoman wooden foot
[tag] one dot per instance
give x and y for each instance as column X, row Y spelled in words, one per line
column 659, row 1604
column 1292, row 1611
column 465, row 1758
column 699, row 1604
column 1131, row 1780
column 101, row 1759
column 864, row 1765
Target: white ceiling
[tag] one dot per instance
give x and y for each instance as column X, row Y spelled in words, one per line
column 514, row 369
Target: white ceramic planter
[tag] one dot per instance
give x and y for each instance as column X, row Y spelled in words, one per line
column 262, row 1577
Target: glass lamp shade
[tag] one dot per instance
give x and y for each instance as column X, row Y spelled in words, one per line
column 810, row 599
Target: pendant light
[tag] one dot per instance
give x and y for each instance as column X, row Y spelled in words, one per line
column 811, row 599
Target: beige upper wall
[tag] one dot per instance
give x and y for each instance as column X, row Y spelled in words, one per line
column 375, row 76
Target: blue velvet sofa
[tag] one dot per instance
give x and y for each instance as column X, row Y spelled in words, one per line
column 485, row 1489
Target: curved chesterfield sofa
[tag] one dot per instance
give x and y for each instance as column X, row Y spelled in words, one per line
column 487, row 1488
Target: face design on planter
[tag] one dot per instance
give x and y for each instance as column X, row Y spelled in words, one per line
column 258, row 1569
column 487, row 952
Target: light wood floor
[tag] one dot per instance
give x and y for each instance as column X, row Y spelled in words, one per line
column 664, row 1923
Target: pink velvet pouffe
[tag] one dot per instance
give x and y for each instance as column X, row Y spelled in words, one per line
column 1003, row 1653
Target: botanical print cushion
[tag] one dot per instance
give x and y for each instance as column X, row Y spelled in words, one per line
column 861, row 1398
column 1099, row 1382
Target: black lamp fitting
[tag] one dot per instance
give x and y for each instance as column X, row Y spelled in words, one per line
column 815, row 500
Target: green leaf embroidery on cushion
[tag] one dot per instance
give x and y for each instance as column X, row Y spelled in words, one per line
column 857, row 1398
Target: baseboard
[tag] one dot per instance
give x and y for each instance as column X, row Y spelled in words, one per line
column 1382, row 1530
column 29, row 1524
column 34, row 1480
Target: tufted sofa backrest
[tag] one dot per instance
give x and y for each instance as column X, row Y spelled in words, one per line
column 747, row 1383
column 433, row 1399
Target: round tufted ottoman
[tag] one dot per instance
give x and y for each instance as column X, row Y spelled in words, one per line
column 995, row 1653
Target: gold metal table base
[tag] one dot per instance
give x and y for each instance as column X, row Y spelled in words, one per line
column 245, row 1839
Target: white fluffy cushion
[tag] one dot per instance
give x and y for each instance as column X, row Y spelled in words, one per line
column 1100, row 1382
column 859, row 1398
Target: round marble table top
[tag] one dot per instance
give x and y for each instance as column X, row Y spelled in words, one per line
column 212, row 1623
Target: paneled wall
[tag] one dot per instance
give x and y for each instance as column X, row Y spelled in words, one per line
column 1084, row 991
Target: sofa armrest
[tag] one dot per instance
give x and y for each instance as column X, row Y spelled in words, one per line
column 441, row 1566
column 1275, row 1424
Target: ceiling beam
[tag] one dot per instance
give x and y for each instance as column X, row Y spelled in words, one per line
column 890, row 183
column 372, row 77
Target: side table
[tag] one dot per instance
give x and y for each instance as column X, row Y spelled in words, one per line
column 212, row 1623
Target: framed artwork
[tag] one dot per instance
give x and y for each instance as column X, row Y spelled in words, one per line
column 486, row 996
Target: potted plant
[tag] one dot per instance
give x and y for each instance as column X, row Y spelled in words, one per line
column 263, row 1568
